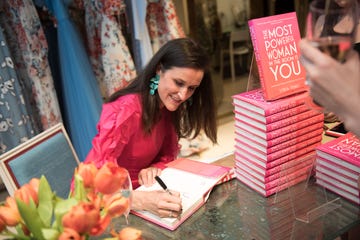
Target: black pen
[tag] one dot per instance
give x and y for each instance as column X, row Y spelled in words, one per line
column 162, row 184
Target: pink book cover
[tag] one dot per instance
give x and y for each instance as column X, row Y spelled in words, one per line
column 298, row 162
column 268, row 127
column 303, row 124
column 271, row 118
column 254, row 100
column 275, row 41
column 277, row 154
column 283, row 174
column 271, row 191
column 274, row 148
column 341, row 192
column 250, row 154
column 200, row 168
column 292, row 136
column 346, row 148
column 337, row 168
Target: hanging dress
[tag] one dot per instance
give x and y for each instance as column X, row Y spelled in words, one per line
column 110, row 56
column 142, row 47
column 163, row 23
column 28, row 46
column 15, row 121
column 81, row 95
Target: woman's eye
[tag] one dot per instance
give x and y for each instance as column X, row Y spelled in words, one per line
column 178, row 83
column 191, row 89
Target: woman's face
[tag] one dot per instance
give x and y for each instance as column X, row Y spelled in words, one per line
column 176, row 85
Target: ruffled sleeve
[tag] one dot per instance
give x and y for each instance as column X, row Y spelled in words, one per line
column 170, row 147
column 118, row 123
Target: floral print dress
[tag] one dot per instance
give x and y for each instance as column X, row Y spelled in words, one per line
column 109, row 54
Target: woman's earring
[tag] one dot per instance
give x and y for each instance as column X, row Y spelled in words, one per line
column 154, row 81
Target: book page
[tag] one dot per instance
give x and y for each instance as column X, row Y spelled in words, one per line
column 192, row 188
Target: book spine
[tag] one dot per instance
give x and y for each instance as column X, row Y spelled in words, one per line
column 272, row 117
column 282, row 153
column 271, row 191
column 344, row 194
column 323, row 171
column 332, row 166
column 257, row 55
column 278, row 161
column 304, row 124
column 282, row 175
column 254, row 101
column 345, row 187
column 338, row 161
column 270, row 154
column 252, row 163
column 275, row 125
column 293, row 136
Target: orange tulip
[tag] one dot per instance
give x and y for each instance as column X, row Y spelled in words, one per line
column 9, row 216
column 35, row 183
column 109, row 178
column 129, row 233
column 87, row 171
column 116, row 204
column 25, row 193
column 69, row 233
column 101, row 226
column 81, row 217
column 10, row 202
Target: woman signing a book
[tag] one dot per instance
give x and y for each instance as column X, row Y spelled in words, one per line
column 140, row 125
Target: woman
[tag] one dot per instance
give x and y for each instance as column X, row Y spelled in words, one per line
column 140, row 125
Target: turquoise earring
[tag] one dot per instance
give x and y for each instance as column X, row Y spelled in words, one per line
column 154, row 81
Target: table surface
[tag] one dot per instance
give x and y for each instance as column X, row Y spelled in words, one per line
column 234, row 211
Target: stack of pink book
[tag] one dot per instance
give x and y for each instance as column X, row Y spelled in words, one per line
column 275, row 141
column 338, row 166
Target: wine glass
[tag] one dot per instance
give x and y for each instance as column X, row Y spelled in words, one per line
column 331, row 27
column 126, row 192
column 119, row 202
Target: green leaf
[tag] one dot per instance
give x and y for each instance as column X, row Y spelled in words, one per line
column 80, row 191
column 31, row 218
column 50, row 233
column 61, row 208
column 45, row 207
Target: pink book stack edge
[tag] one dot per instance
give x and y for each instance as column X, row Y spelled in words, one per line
column 338, row 166
column 275, row 141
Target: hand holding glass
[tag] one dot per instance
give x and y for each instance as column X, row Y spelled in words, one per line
column 331, row 27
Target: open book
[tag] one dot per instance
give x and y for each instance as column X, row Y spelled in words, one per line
column 194, row 180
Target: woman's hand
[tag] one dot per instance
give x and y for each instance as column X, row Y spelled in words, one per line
column 147, row 176
column 159, row 203
column 334, row 85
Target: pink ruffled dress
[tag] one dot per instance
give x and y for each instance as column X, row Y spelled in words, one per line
column 121, row 139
